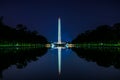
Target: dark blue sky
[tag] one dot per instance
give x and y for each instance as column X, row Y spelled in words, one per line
column 77, row 15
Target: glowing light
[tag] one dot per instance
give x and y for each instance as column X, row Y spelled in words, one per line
column 52, row 45
column 48, row 45
column 67, row 46
column 17, row 44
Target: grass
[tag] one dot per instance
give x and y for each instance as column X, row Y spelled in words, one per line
column 97, row 45
column 22, row 45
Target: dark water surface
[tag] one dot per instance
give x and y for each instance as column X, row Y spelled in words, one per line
column 42, row 64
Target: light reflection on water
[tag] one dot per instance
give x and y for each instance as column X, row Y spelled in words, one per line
column 85, row 64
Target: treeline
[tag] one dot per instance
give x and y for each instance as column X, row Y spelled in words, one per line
column 102, row 34
column 19, row 34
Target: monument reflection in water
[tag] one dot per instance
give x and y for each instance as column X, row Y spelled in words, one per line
column 105, row 63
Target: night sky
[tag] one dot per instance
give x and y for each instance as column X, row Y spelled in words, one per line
column 76, row 15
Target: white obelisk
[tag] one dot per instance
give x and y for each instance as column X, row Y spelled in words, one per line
column 59, row 31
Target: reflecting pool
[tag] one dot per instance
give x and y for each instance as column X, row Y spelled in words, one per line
column 76, row 64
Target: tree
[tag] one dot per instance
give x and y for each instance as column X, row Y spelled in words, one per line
column 103, row 33
column 1, row 20
column 21, row 27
